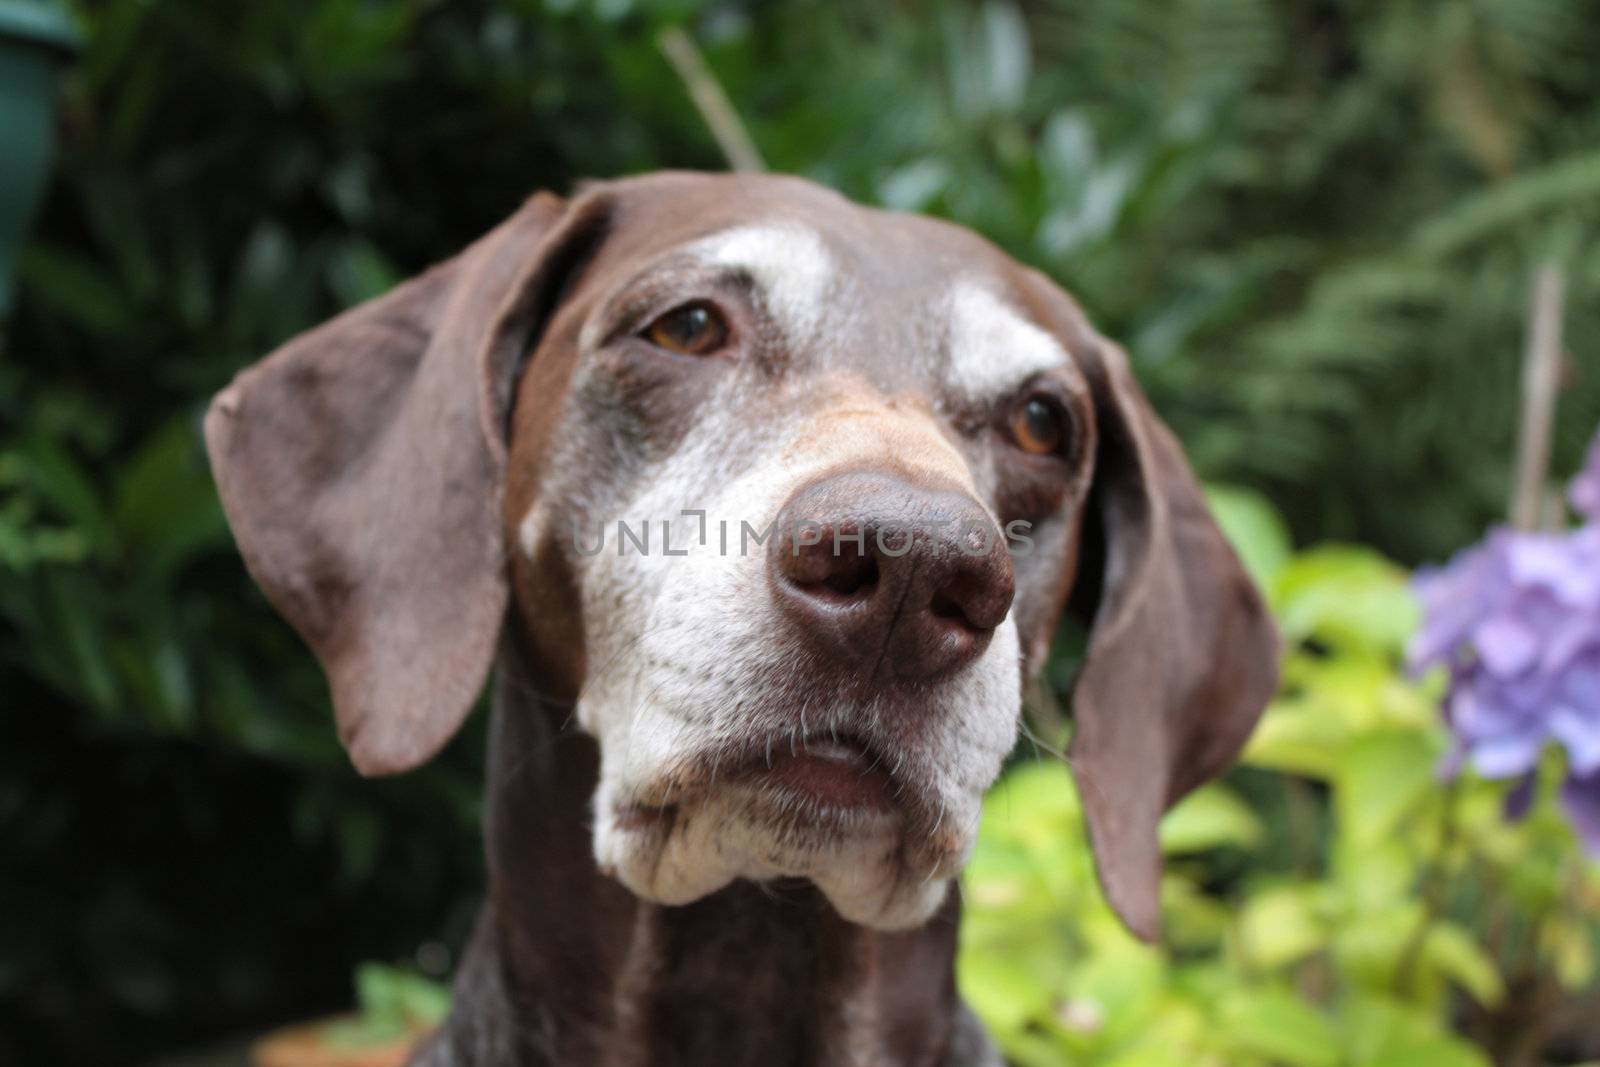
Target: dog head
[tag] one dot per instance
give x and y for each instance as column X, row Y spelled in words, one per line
column 787, row 495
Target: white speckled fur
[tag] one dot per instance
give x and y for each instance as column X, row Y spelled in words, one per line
column 683, row 654
column 992, row 347
column 687, row 663
column 788, row 264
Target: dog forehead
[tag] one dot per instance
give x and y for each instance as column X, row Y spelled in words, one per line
column 910, row 301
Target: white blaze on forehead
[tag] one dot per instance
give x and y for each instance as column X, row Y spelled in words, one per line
column 786, row 261
column 993, row 349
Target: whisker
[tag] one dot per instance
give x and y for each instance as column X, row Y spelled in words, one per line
column 1039, row 743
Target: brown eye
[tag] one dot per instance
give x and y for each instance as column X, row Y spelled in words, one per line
column 1039, row 426
column 690, row 330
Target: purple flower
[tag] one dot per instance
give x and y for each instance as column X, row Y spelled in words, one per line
column 1516, row 622
column 1584, row 492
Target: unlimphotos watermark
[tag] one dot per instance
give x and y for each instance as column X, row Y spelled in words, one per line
column 890, row 539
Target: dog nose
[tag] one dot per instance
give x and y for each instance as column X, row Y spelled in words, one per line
column 890, row 577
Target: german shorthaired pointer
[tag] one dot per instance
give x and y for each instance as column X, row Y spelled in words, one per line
column 763, row 506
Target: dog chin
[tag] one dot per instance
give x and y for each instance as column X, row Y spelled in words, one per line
column 869, row 867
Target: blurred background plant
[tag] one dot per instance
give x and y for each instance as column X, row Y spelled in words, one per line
column 1312, row 222
column 395, row 1008
column 1333, row 903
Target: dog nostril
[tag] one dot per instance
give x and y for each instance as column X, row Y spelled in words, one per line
column 945, row 607
column 852, row 578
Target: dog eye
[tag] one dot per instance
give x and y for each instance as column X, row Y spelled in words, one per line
column 1038, row 425
column 691, row 330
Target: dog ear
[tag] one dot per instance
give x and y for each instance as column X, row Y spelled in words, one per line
column 361, row 467
column 1182, row 654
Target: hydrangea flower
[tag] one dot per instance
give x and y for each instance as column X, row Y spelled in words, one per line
column 1516, row 622
column 1584, row 492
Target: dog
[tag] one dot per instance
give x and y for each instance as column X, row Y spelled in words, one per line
column 763, row 506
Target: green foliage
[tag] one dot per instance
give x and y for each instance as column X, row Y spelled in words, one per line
column 1315, row 227
column 1372, row 918
column 1312, row 224
column 391, row 1002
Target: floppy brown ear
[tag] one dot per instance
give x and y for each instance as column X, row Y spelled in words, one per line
column 1182, row 654
column 361, row 467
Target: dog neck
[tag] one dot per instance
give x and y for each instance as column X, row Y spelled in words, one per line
column 566, row 966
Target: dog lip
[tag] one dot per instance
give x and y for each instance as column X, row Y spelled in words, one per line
column 837, row 772
column 835, row 750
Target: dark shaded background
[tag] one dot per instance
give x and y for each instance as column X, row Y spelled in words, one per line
column 1313, row 222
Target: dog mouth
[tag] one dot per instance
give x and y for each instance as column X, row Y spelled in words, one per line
column 841, row 810
column 833, row 773
column 818, row 779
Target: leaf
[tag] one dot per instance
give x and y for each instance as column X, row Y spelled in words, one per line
column 1278, row 1025
column 79, row 288
column 359, row 272
column 1035, row 804
column 1373, row 945
column 1002, row 989
column 1438, row 1050
column 392, row 1001
column 1328, row 700
column 60, row 480
column 1571, row 181
column 1191, row 918
column 1280, row 926
column 1125, row 979
column 1382, row 1032
column 1570, row 944
column 1346, row 595
column 1254, row 528
column 913, row 186
column 165, row 506
column 1151, row 1053
column 1452, row 951
column 1067, row 152
column 1209, row 818
column 1294, row 739
column 1007, row 55
column 80, row 631
column 1381, row 778
column 988, row 59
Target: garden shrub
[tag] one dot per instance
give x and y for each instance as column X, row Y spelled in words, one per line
column 1313, row 225
column 1333, row 903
